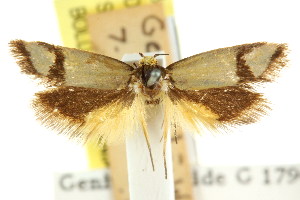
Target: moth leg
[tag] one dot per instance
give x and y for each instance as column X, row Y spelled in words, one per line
column 165, row 136
column 162, row 126
column 175, row 135
column 162, row 137
column 144, row 125
column 166, row 128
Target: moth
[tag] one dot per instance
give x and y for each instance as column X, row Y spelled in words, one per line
column 93, row 97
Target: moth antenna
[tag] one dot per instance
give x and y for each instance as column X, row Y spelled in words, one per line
column 160, row 54
column 142, row 55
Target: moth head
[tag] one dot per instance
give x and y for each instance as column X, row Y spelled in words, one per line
column 150, row 72
column 148, row 60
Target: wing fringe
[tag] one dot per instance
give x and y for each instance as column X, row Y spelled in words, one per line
column 277, row 62
column 19, row 51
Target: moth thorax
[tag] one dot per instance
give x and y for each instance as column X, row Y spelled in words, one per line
column 148, row 60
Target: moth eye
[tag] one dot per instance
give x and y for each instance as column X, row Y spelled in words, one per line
column 154, row 76
column 156, row 73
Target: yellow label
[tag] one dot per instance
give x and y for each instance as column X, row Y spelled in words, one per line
column 97, row 157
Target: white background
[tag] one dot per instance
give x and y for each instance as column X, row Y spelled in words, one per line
column 30, row 154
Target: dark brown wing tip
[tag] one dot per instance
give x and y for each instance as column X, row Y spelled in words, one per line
column 23, row 57
column 253, row 113
column 278, row 61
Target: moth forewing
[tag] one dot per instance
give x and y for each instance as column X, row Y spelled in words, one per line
column 229, row 66
column 70, row 67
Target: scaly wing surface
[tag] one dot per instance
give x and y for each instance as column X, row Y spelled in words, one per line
column 70, row 67
column 214, row 88
column 88, row 98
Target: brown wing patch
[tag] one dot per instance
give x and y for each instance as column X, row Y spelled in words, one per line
column 232, row 104
column 76, row 102
column 66, row 108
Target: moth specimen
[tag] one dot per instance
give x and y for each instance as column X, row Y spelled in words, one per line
column 97, row 98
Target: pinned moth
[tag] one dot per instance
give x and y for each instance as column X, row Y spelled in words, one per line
column 93, row 97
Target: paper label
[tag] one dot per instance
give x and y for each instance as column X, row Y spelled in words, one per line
column 274, row 182
column 139, row 29
column 247, row 182
column 72, row 16
column 88, row 185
